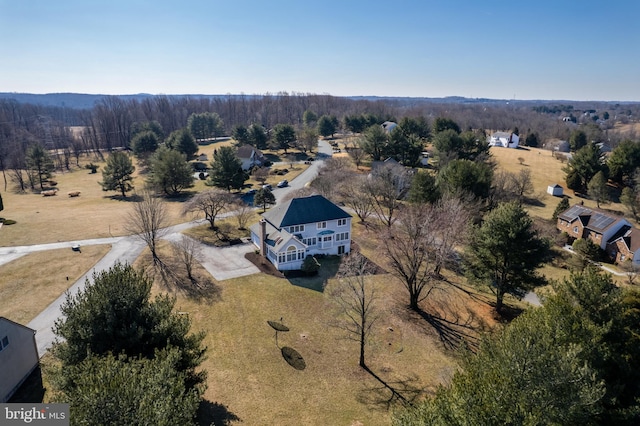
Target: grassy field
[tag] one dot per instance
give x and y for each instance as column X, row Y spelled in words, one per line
column 29, row 284
column 95, row 213
column 249, row 377
column 545, row 170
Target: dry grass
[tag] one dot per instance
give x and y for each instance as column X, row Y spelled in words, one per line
column 227, row 230
column 545, row 170
column 29, row 284
column 94, row 214
column 248, row 375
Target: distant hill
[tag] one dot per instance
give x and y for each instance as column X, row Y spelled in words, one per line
column 87, row 101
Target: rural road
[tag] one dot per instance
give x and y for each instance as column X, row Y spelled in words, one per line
column 221, row 263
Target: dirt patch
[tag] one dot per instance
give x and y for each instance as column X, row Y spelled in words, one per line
column 263, row 264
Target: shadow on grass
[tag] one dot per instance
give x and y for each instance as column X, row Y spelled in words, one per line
column 133, row 198
column 200, row 287
column 328, row 269
column 32, row 390
column 213, row 413
column 453, row 334
column 404, row 390
column 293, row 358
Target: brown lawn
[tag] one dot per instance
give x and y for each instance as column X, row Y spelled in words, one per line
column 30, row 283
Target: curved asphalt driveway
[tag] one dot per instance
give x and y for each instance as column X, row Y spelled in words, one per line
column 221, row 263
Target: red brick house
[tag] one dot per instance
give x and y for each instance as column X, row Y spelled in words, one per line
column 614, row 234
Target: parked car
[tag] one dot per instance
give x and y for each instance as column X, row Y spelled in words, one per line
column 267, row 186
column 283, row 183
column 252, row 191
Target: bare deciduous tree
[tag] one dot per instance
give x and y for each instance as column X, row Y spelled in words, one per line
column 242, row 213
column 354, row 194
column 522, row 184
column 211, row 202
column 452, row 216
column 187, row 251
column 387, row 186
column 358, row 155
column 356, row 296
column 148, row 221
column 261, row 174
column 408, row 246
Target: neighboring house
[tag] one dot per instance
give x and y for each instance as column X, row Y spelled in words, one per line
column 504, row 139
column 624, row 245
column 388, row 126
column 555, row 190
column 304, row 226
column 389, row 162
column 582, row 222
column 18, row 356
column 250, row 157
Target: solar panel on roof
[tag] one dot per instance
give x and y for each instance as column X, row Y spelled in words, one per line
column 600, row 221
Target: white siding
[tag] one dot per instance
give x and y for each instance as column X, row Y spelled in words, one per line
column 18, row 359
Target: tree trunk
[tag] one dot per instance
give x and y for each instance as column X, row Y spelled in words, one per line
column 362, row 342
column 499, row 298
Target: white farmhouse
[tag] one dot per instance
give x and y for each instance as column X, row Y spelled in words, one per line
column 250, row 156
column 504, row 139
column 304, row 226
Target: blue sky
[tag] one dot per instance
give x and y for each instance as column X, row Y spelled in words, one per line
column 562, row 49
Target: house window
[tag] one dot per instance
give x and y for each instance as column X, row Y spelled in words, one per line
column 296, row 228
column 622, row 257
column 322, row 225
column 575, row 229
column 291, row 253
column 340, row 249
column 342, row 236
column 309, row 241
column 4, row 343
column 326, row 241
column 342, row 222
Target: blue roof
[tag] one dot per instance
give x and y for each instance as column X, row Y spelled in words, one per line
column 300, row 211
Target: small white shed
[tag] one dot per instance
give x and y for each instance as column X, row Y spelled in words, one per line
column 555, row 190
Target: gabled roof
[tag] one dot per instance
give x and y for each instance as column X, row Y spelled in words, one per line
column 15, row 324
column 592, row 219
column 501, row 135
column 245, row 151
column 277, row 239
column 629, row 235
column 299, row 211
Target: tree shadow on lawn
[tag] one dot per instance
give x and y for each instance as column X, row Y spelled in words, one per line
column 328, row 269
column 132, row 198
column 213, row 413
column 201, row 287
column 404, row 390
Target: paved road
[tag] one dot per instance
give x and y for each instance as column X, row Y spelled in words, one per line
column 222, row 263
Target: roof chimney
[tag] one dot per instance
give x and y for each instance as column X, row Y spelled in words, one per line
column 263, row 237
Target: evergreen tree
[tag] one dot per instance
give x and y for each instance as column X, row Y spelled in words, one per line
column 326, row 126
column 144, row 143
column 283, row 136
column 226, row 169
column 40, row 163
column 182, row 141
column 505, row 252
column 562, row 206
column 117, row 174
column 170, row 172
column 114, row 314
column 263, row 198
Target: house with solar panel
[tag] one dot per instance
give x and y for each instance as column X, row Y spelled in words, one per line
column 302, row 227
column 614, row 234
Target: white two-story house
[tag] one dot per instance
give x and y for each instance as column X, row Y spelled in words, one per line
column 304, row 226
